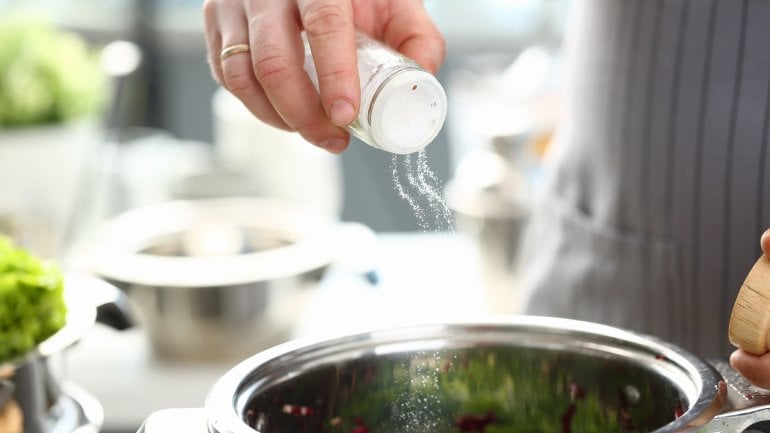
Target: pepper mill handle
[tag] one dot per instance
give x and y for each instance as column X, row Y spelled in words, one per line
column 749, row 327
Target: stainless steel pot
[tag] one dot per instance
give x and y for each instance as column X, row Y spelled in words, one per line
column 516, row 374
column 222, row 277
column 35, row 394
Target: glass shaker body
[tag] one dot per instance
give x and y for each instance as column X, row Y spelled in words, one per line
column 403, row 107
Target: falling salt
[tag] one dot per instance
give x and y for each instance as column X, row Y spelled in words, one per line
column 422, row 192
column 420, row 410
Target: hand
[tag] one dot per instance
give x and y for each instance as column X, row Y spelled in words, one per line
column 756, row 369
column 270, row 79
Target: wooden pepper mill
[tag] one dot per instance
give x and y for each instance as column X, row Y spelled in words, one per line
column 749, row 327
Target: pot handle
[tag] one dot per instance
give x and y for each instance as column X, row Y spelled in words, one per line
column 112, row 305
column 744, row 406
column 188, row 420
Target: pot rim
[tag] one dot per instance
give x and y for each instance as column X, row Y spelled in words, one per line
column 227, row 399
column 120, row 241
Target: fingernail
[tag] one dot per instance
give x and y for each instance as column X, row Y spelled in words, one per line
column 342, row 113
column 334, row 145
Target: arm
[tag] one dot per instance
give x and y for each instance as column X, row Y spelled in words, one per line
column 269, row 77
column 756, row 369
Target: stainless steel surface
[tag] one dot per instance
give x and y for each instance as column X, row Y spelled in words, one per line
column 79, row 411
column 47, row 400
column 555, row 374
column 217, row 278
column 745, row 404
column 73, row 411
column 489, row 194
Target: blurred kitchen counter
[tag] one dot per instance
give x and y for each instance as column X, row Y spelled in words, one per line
column 423, row 277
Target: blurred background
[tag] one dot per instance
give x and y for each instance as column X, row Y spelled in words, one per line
column 136, row 120
column 172, row 90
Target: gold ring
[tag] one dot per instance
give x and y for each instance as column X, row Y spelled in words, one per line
column 232, row 50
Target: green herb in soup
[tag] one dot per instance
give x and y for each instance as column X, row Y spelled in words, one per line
column 472, row 389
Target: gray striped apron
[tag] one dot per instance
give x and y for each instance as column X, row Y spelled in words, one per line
column 659, row 177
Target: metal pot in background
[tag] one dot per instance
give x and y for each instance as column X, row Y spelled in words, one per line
column 490, row 194
column 276, row 163
column 556, row 374
column 219, row 278
column 35, row 394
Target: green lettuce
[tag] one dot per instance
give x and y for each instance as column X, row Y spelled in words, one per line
column 47, row 75
column 32, row 306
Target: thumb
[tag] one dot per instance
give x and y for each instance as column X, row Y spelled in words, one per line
column 755, row 369
column 411, row 31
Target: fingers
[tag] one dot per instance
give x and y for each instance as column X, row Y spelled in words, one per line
column 269, row 78
column 278, row 67
column 213, row 39
column 271, row 81
column 235, row 72
column 756, row 369
column 765, row 242
column 412, row 32
column 331, row 35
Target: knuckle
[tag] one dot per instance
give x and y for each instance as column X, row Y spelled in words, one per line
column 315, row 130
column 321, row 18
column 336, row 75
column 238, row 82
column 313, row 126
column 307, row 127
column 272, row 70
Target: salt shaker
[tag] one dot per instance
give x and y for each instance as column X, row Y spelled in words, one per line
column 403, row 107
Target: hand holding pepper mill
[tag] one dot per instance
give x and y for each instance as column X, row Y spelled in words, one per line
column 749, row 326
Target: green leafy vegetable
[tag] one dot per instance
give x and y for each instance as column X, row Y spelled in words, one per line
column 47, row 75
column 32, row 304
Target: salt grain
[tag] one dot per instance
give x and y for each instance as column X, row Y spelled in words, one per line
column 422, row 192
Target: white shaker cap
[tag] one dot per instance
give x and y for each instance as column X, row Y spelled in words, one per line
column 408, row 112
